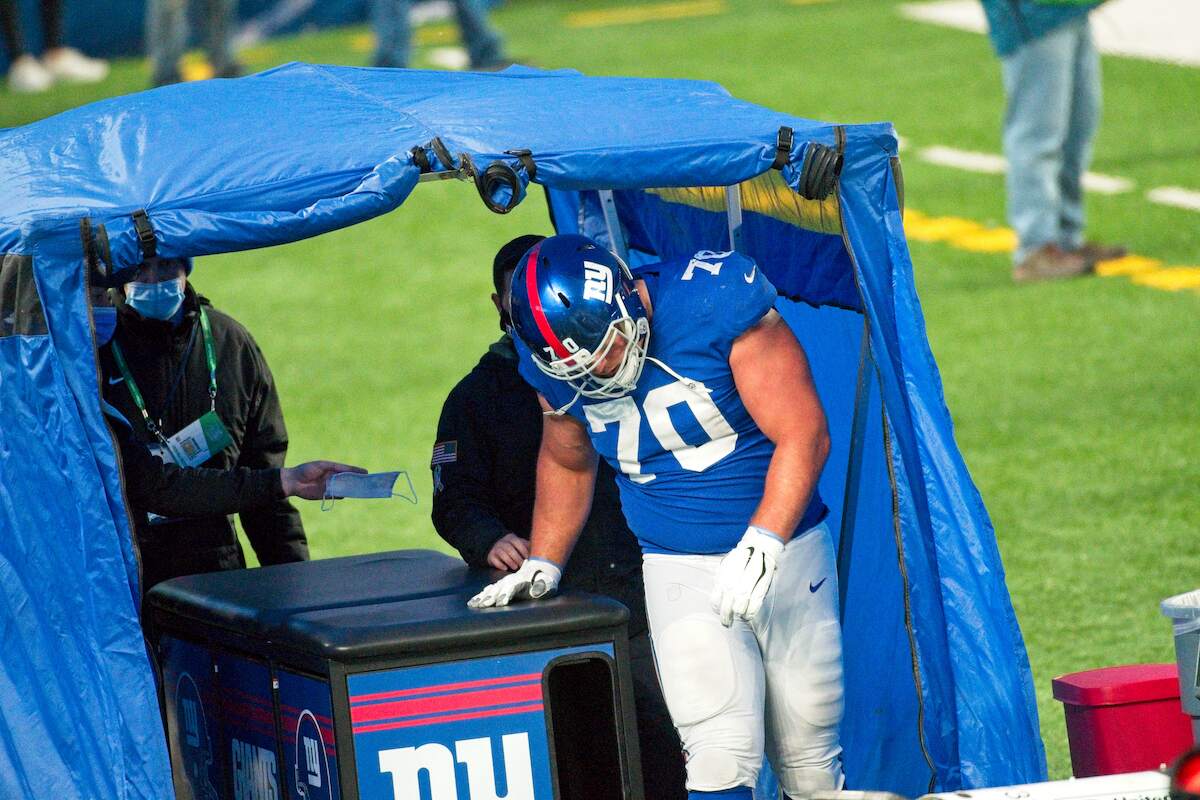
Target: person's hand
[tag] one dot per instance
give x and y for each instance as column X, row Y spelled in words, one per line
column 537, row 578
column 508, row 552
column 308, row 480
column 745, row 575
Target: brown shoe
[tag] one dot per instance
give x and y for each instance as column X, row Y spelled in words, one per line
column 1094, row 251
column 1051, row 262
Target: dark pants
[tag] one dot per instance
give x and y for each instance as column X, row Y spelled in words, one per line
column 10, row 27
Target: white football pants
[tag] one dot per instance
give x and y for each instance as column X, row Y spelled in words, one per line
column 778, row 677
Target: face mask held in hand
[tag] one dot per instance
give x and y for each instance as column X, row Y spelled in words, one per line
column 155, row 300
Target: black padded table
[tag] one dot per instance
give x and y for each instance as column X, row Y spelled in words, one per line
column 368, row 678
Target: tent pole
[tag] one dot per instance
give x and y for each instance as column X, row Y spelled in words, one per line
column 858, row 426
column 733, row 214
column 616, row 237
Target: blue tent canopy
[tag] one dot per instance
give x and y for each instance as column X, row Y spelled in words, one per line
column 939, row 693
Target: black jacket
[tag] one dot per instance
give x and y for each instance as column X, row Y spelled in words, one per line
column 493, row 419
column 169, row 366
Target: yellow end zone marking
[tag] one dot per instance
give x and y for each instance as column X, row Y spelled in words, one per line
column 653, row 12
column 989, row 240
column 1172, row 278
column 966, row 234
column 1129, row 265
column 195, row 68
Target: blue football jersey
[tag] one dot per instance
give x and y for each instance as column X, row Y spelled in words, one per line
column 691, row 463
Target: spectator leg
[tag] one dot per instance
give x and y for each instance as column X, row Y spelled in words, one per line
column 222, row 16
column 10, row 30
column 166, row 39
column 1037, row 82
column 1081, row 130
column 392, row 32
column 482, row 41
column 52, row 27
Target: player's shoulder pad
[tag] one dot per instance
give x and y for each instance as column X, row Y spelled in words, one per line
column 555, row 391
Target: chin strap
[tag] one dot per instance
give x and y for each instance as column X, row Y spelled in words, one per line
column 695, row 386
column 558, row 412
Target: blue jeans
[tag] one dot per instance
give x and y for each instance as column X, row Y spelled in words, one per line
column 393, row 34
column 1053, row 89
column 167, row 34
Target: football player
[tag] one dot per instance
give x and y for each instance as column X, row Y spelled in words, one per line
column 692, row 386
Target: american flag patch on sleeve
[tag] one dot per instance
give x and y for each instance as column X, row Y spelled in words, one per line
column 445, row 453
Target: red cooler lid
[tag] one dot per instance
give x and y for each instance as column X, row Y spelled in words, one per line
column 1110, row 686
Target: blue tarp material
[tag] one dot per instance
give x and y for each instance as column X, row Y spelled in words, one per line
column 938, row 684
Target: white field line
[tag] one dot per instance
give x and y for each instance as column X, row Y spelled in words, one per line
column 1155, row 30
column 1175, row 196
column 993, row 164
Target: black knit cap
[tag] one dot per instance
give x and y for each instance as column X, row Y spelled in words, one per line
column 508, row 257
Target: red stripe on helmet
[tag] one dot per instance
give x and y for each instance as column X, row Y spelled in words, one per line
column 535, row 305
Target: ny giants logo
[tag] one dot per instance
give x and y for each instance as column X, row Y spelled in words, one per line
column 597, row 282
column 405, row 764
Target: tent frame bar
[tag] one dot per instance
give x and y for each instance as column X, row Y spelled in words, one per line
column 733, row 215
column 616, row 236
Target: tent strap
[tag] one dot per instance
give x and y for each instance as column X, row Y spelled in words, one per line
column 854, row 468
column 145, row 234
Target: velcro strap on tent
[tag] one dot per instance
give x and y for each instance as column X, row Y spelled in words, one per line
column 818, row 176
column 442, row 152
column 421, row 159
column 499, row 185
column 783, row 147
column 97, row 269
column 145, row 234
column 526, row 157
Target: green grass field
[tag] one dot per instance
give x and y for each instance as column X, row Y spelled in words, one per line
column 1076, row 404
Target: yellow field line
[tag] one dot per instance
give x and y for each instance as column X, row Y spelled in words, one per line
column 652, row 12
column 969, row 235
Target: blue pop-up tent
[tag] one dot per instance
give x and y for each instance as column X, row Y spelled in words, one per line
column 938, row 688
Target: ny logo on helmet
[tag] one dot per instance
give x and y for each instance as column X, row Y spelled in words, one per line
column 598, row 282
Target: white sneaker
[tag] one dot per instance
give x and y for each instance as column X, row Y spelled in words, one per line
column 68, row 64
column 27, row 76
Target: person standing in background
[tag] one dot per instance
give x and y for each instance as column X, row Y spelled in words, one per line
column 167, row 33
column 393, row 34
column 26, row 73
column 1051, row 74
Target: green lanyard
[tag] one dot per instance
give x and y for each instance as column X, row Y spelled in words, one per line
column 210, row 356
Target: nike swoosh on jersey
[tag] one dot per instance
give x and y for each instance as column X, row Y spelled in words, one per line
column 116, row 380
column 812, row 587
column 750, row 278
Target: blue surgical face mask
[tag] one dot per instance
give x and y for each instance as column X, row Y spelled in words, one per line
column 105, row 320
column 155, row 300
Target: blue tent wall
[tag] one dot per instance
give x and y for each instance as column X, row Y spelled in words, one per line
column 79, row 703
column 952, row 652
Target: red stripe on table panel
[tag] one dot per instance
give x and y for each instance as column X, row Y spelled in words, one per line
column 444, row 687
column 412, row 723
column 525, row 693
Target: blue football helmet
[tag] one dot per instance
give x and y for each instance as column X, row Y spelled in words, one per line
column 572, row 302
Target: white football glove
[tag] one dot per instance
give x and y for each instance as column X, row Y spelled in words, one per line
column 537, row 578
column 745, row 575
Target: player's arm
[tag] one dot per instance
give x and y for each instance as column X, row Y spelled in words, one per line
column 776, row 386
column 566, row 477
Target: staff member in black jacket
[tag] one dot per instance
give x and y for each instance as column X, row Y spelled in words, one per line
column 173, row 361
column 484, row 472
